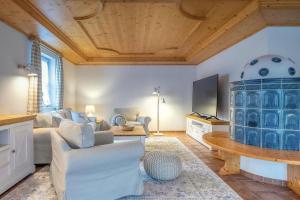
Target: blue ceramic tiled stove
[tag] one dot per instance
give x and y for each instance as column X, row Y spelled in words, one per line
column 265, row 104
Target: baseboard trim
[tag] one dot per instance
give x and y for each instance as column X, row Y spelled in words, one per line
column 262, row 179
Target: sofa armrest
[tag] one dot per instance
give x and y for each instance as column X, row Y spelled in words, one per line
column 104, row 157
column 144, row 120
column 103, row 137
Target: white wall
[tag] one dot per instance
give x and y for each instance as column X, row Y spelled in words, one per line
column 13, row 82
column 231, row 61
column 108, row 87
column 69, row 84
column 284, row 41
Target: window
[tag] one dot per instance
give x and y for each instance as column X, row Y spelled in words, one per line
column 45, row 81
column 50, row 85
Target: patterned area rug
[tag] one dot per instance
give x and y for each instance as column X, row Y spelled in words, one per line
column 196, row 182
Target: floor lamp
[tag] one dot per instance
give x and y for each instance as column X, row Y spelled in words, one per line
column 157, row 93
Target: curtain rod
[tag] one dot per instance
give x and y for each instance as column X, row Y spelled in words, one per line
column 44, row 45
column 48, row 48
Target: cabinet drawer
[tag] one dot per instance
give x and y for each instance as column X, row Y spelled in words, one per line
column 4, row 165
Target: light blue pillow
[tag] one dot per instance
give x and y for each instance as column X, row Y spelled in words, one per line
column 77, row 135
column 120, row 120
column 79, row 117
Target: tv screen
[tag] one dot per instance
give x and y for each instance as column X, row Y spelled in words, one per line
column 205, row 96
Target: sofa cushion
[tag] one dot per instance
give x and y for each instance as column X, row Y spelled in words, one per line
column 65, row 113
column 79, row 117
column 77, row 135
column 56, row 121
column 43, row 120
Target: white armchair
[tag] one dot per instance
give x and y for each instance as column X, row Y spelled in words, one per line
column 101, row 172
column 132, row 116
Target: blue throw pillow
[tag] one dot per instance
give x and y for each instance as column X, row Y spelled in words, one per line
column 120, row 120
column 79, row 117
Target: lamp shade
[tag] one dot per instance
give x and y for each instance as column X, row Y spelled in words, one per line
column 156, row 91
column 90, row 110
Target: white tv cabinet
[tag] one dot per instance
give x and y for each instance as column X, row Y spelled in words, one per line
column 196, row 127
column 16, row 149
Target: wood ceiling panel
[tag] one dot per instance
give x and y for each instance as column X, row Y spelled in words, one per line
column 241, row 31
column 60, row 14
column 145, row 31
column 217, row 17
column 139, row 28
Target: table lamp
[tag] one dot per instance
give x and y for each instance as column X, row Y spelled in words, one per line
column 90, row 110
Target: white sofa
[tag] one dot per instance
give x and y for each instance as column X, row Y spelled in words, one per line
column 45, row 122
column 107, row 172
column 132, row 117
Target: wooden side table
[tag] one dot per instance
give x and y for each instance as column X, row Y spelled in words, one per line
column 138, row 134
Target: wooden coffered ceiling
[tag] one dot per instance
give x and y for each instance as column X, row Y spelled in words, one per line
column 145, row 31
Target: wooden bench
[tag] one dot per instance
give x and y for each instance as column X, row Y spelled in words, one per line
column 230, row 151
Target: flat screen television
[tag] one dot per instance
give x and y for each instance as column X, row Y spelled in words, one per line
column 205, row 96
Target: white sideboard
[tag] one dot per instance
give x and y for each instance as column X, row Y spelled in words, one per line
column 16, row 153
column 196, row 127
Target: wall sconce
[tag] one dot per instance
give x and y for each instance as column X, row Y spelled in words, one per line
column 29, row 69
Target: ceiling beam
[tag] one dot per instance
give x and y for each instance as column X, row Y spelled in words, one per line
column 137, row 60
column 281, row 13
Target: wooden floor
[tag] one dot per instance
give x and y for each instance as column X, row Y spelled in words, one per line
column 245, row 187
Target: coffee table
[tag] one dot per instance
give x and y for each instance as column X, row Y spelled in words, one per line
column 137, row 134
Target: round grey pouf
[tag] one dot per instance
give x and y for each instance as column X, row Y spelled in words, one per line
column 162, row 165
